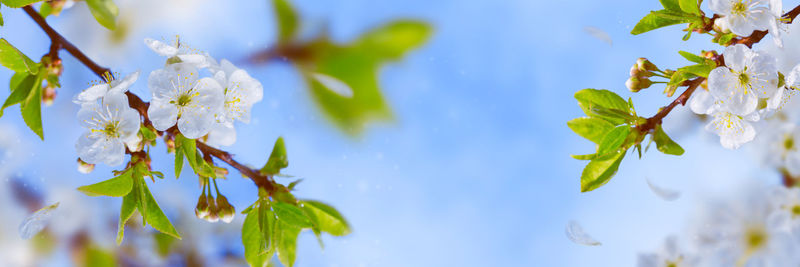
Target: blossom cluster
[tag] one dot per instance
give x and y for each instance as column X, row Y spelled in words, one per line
column 760, row 229
column 199, row 106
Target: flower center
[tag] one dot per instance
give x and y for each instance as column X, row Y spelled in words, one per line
column 111, row 129
column 755, row 238
column 795, row 210
column 744, row 79
column 184, row 100
column 739, row 8
column 788, row 143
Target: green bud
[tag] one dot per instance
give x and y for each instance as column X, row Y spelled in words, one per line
column 645, row 65
column 202, row 208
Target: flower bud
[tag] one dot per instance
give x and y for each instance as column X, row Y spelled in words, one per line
column 170, row 144
column 721, row 26
column 136, row 144
column 49, row 95
column 84, row 167
column 213, row 211
column 635, row 70
column 635, row 84
column 226, row 210
column 645, row 65
column 202, row 209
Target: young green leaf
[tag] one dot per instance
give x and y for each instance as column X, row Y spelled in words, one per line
column 690, row 6
column 587, row 98
column 584, row 157
column 31, row 109
column 13, row 59
column 253, row 241
column 20, row 92
column 327, row 218
column 613, row 140
column 665, row 144
column 395, row 39
column 288, row 21
column 105, row 12
column 291, row 214
column 600, row 170
column 287, row 243
column 115, row 187
column 277, row 159
column 699, row 70
column 614, row 116
column 153, row 214
column 129, row 203
column 692, row 57
column 592, row 129
column 658, row 19
column 670, row 5
column 18, row 3
column 266, row 223
column 178, row 162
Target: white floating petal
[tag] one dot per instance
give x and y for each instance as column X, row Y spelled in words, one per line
column 576, row 234
column 36, row 221
column 663, row 193
column 598, row 34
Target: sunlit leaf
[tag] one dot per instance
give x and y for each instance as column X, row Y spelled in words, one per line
column 153, row 214
column 129, row 203
column 600, row 170
column 115, row 187
column 395, row 39
column 253, row 241
column 105, row 12
column 20, row 91
column 327, row 218
column 277, row 159
column 15, row 60
column 18, row 3
column 665, row 144
column 291, row 214
column 592, row 129
column 31, row 109
column 658, row 19
column 287, row 243
column 287, row 19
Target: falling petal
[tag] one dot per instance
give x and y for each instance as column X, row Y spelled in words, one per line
column 36, row 222
column 663, row 193
column 335, row 85
column 576, row 234
column 599, row 34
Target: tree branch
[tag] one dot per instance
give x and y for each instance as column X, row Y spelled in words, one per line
column 135, row 102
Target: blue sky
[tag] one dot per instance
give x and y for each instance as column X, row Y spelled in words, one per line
column 475, row 171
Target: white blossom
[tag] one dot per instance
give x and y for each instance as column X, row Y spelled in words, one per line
column 241, row 92
column 95, row 92
column 780, row 145
column 743, row 17
column 733, row 130
column 180, row 97
column 777, row 25
column 110, row 124
column 181, row 51
column 748, row 76
column 670, row 255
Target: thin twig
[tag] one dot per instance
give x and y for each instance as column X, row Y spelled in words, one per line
column 58, row 41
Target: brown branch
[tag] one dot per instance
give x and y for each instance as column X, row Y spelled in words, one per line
column 756, row 36
column 663, row 112
column 135, row 102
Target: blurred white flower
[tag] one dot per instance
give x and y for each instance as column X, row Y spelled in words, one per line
column 786, row 203
column 180, row 97
column 95, row 92
column 777, row 25
column 181, row 51
column 780, row 143
column 670, row 255
column 110, row 124
column 748, row 76
column 743, row 17
column 742, row 233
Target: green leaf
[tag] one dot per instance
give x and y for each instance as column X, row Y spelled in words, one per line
column 115, row 187
column 584, row 157
column 291, row 214
column 395, row 39
column 45, row 9
column 698, row 70
column 613, row 140
column 600, row 170
column 253, row 241
column 671, row 5
column 13, row 59
column 679, row 77
column 129, row 203
column 287, row 243
column 288, row 21
column 266, row 223
column 665, row 144
column 590, row 128
column 31, row 109
column 726, row 38
column 614, row 116
column 658, row 19
column 2, row 23
column 18, row 3
column 154, row 216
column 20, row 92
column 277, row 159
column 587, row 98
column 105, row 12
column 98, row 257
column 690, row 6
column 178, row 162
column 692, row 57
column 327, row 218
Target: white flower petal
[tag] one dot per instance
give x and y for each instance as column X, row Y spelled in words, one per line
column 732, row 130
column 122, row 85
column 576, row 234
column 91, row 94
column 736, row 56
column 161, row 48
column 162, row 114
column 195, row 123
column 701, row 102
column 221, row 135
